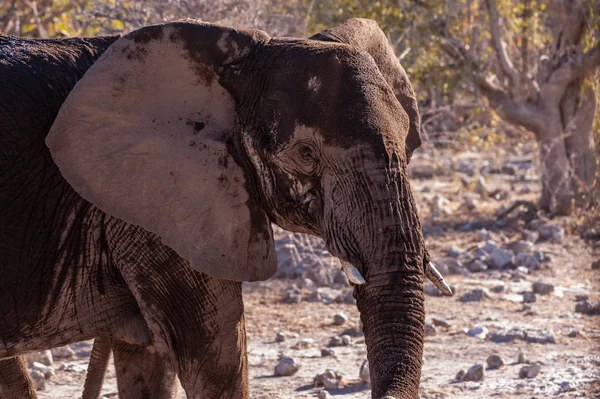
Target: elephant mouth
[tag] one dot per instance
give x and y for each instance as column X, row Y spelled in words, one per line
column 431, row 272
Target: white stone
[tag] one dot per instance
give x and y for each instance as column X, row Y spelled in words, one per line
column 287, row 366
column 478, row 332
column 339, row 319
column 63, row 352
column 39, row 379
column 500, row 258
column 47, row 371
column 44, row 357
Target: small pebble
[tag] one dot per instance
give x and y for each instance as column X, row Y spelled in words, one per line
column 327, row 352
column 309, row 284
column 478, row 332
column 323, row 395
column 429, row 329
column 529, row 371
column 476, row 266
column 566, row 386
column 475, row 373
column 455, row 252
column 336, row 341
column 500, row 258
column 539, row 287
column 460, row 375
column 494, row 362
column 573, row 334
column 339, row 319
column 291, row 297
column 47, row 371
column 523, row 246
column 489, row 246
column 72, row 368
column 63, row 352
column 474, row 295
column 364, row 374
column 588, row 307
column 440, row 323
column 528, row 297
column 329, row 379
column 304, row 343
column 346, row 340
column 551, row 232
column 498, row 288
column 44, row 357
column 521, row 358
column 280, row 337
column 331, row 384
column 39, row 379
column 287, row 366
column 526, row 307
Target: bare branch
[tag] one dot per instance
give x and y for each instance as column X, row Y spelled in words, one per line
column 579, row 67
column 524, row 114
column 499, row 48
column 524, row 37
column 38, row 21
column 517, row 112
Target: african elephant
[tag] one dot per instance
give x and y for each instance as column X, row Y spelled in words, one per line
column 188, row 139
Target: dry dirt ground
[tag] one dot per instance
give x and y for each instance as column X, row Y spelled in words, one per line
column 549, row 332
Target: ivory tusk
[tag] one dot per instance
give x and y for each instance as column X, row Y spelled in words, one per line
column 352, row 273
column 437, row 279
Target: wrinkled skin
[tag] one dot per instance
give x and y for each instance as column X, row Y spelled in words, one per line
column 201, row 135
column 15, row 382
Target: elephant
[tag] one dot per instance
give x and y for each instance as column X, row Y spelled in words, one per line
column 149, row 201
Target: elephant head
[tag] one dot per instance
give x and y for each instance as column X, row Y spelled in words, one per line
column 204, row 134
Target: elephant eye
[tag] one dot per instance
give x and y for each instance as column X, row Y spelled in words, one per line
column 307, row 154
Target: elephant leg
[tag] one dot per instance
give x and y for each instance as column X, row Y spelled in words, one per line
column 97, row 368
column 15, row 382
column 142, row 373
column 196, row 321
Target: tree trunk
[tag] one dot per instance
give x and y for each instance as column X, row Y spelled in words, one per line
column 578, row 110
column 555, row 168
column 567, row 152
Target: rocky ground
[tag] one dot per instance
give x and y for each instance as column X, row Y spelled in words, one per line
column 524, row 321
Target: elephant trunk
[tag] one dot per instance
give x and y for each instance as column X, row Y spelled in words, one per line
column 391, row 302
column 392, row 310
column 383, row 240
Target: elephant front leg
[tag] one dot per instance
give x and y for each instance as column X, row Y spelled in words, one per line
column 212, row 358
column 195, row 321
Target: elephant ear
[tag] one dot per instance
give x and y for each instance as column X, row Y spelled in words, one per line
column 366, row 35
column 147, row 136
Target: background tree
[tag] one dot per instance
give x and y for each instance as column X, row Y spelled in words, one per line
column 535, row 77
